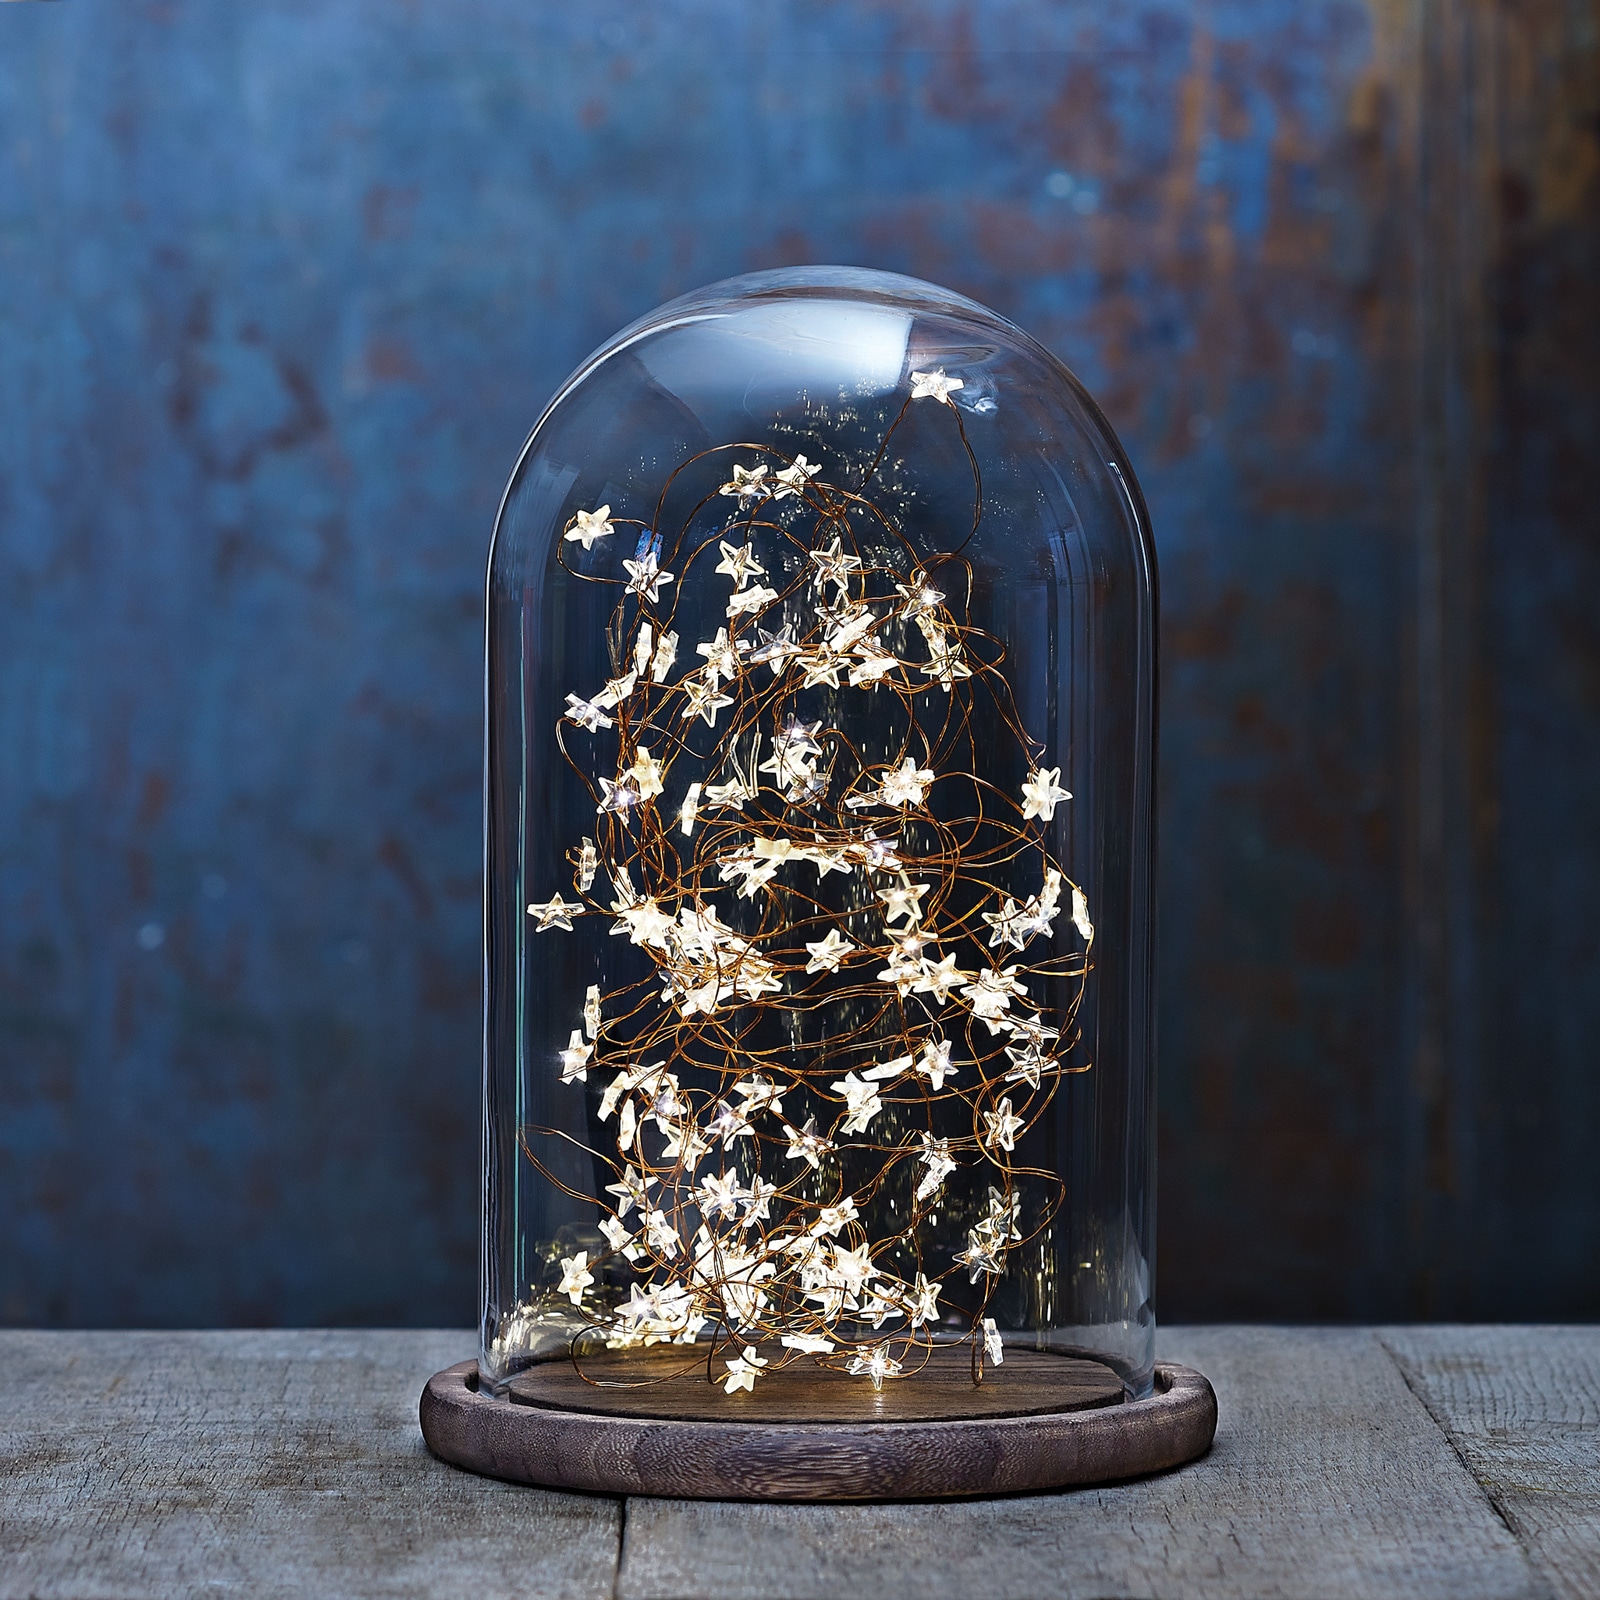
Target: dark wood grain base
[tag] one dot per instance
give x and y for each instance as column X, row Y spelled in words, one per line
column 821, row 1440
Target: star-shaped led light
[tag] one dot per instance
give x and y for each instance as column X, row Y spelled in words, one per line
column 795, row 478
column 575, row 1276
column 877, row 1366
column 934, row 386
column 746, row 602
column 907, row 785
column 827, row 953
column 554, row 913
column 994, row 1350
column 646, row 773
column 739, row 562
column 575, row 1059
column 834, row 566
column 743, row 1370
column 903, row 901
column 617, row 795
column 1042, row 793
column 1001, row 1126
column 939, row 978
column 588, row 714
column 702, row 700
column 1080, row 913
column 806, row 1144
column 940, row 1163
column 591, row 525
column 646, row 577
column 748, row 484
column 862, row 1102
column 935, row 1064
column 722, row 657
column 775, row 648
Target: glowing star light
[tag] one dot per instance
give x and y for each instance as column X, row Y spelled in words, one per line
column 589, row 714
column 795, row 478
column 902, row 972
column 808, row 1344
column 1080, row 914
column 826, row 954
column 619, row 796
column 806, row 1144
column 1042, row 793
column 877, row 1366
column 554, row 913
column 993, row 1349
column 938, row 979
column 575, row 1276
column 743, row 1370
column 632, row 1190
column 591, row 525
column 691, row 808
column 905, row 902
column 646, row 773
column 750, row 600
column 646, row 578
column 1001, row 1127
column 575, row 1059
column 720, row 1196
column 588, row 861
column 616, row 691
column 1009, row 925
column 922, row 1305
column 775, row 648
column 666, row 654
column 760, row 1094
column 702, row 700
column 934, row 386
column 907, row 785
column 756, row 1202
column 989, row 995
column 834, row 566
column 862, row 1103
column 722, row 658
column 748, row 485
column 739, row 562
column 935, row 1065
column 820, row 669
column 940, row 1163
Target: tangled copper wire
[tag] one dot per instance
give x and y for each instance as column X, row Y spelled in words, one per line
column 793, row 1071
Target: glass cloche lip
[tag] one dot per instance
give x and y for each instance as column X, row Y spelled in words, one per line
column 859, row 285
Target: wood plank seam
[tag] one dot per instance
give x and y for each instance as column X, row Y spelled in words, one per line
column 622, row 1547
column 1413, row 1381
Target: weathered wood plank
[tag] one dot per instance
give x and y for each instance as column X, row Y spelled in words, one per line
column 273, row 1464
column 1327, row 1478
column 1522, row 1406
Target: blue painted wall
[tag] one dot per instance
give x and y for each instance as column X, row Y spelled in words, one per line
column 282, row 288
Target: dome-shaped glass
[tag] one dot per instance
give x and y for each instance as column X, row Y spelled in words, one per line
column 818, row 966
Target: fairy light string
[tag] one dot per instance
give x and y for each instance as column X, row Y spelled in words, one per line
column 848, row 933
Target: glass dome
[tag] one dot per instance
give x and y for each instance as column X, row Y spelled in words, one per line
column 818, row 928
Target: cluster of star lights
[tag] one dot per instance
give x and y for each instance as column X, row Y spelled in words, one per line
column 815, row 1098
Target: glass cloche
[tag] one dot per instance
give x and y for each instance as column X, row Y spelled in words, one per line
column 818, row 1038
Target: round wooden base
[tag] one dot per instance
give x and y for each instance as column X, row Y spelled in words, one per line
column 1040, row 1421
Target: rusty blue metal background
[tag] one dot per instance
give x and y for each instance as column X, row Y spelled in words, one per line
column 282, row 287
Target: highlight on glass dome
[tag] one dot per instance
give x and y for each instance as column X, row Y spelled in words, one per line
column 818, row 1045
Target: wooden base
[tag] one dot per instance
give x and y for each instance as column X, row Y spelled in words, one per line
column 654, row 1425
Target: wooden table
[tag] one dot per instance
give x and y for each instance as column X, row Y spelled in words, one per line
column 1457, row 1462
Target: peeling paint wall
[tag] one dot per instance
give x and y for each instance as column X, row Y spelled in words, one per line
column 282, row 287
